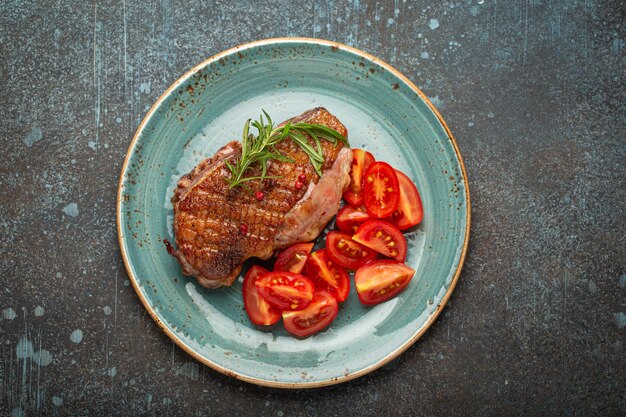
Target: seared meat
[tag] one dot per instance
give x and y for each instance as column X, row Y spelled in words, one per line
column 217, row 228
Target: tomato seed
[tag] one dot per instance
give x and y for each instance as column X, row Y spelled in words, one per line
column 391, row 244
column 379, row 234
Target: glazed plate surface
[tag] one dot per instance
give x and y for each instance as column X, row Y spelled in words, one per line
column 384, row 113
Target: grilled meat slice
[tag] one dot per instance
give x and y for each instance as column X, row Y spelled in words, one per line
column 217, row 228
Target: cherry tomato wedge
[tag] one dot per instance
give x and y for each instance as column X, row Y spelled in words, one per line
column 344, row 251
column 293, row 258
column 350, row 217
column 319, row 314
column 409, row 212
column 285, row 290
column 327, row 276
column 379, row 281
column 380, row 190
column 383, row 237
column 361, row 160
column 259, row 311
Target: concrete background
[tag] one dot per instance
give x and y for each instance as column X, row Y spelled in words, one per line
column 535, row 94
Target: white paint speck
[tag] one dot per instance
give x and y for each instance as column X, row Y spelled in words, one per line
column 112, row 372
column 437, row 102
column 424, row 55
column 39, row 311
column 92, row 145
column 57, row 401
column 76, row 336
column 280, row 414
column 622, row 281
column 71, row 209
column 267, row 403
column 593, row 288
column 107, row 310
column 491, row 115
column 33, row 137
column 9, row 313
column 390, row 21
column 470, row 124
column 59, row 275
column 144, row 88
column 24, row 348
column 42, row 357
column 118, row 120
column 620, row 320
column 433, row 24
column 474, row 10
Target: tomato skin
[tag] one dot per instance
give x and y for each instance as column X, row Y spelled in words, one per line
column 259, row 311
column 361, row 160
column 327, row 276
column 380, row 190
column 293, row 258
column 319, row 314
column 383, row 237
column 409, row 212
column 350, row 217
column 345, row 252
column 285, row 290
column 379, row 281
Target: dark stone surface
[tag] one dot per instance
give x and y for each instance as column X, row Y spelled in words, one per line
column 535, row 94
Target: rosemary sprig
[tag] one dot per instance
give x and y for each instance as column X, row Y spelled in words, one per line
column 260, row 148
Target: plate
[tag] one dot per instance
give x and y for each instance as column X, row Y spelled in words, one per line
column 384, row 113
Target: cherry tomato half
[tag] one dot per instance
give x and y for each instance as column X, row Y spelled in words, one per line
column 344, row 251
column 327, row 276
column 379, row 281
column 285, row 290
column 380, row 190
column 259, row 310
column 350, row 217
column 361, row 160
column 293, row 258
column 383, row 237
column 319, row 314
column 409, row 212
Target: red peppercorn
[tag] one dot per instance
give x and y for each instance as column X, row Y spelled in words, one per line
column 302, row 178
column 259, row 195
column 299, row 185
column 243, row 229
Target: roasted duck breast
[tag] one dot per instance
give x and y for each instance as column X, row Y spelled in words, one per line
column 218, row 226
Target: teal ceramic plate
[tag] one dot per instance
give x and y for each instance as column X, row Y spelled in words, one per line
column 384, row 113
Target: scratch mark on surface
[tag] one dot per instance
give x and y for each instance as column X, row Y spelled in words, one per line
column 97, row 69
column 525, row 34
column 115, row 302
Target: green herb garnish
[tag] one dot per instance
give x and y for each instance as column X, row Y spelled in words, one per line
column 260, row 148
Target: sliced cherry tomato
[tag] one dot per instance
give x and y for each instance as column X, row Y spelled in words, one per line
column 379, row 281
column 293, row 258
column 319, row 314
column 383, row 237
column 409, row 212
column 350, row 217
column 361, row 160
column 259, row 310
column 344, row 251
column 286, row 290
column 380, row 190
column 327, row 276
